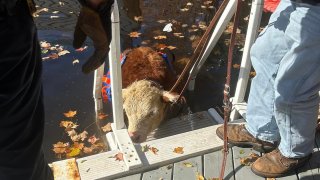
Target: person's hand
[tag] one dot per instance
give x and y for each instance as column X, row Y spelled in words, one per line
column 94, row 21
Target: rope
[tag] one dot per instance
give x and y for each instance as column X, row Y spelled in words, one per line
column 226, row 92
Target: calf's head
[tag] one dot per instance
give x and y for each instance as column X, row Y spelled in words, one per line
column 145, row 104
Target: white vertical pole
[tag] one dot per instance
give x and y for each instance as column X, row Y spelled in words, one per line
column 219, row 29
column 245, row 67
column 115, row 70
column 97, row 85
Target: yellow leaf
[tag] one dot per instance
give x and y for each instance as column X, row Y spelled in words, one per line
column 171, row 47
column 70, row 114
column 74, row 152
column 187, row 164
column 178, row 150
column 236, row 66
column 199, row 176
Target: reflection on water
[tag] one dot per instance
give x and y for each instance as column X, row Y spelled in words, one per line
column 66, row 88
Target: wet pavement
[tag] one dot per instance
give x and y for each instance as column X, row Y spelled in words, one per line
column 67, row 88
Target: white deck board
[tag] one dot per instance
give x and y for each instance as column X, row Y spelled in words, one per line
column 242, row 109
column 212, row 165
column 132, row 177
column 189, row 171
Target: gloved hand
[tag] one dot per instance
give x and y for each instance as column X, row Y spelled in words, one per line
column 94, row 21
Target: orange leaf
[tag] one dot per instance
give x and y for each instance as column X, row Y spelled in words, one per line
column 178, row 150
column 70, row 114
column 199, row 176
column 236, row 66
column 135, row 34
column 60, row 147
column 81, row 49
column 93, row 139
column 161, row 46
column 119, row 156
column 68, row 125
column 54, row 56
column 171, row 47
column 107, row 128
column 102, row 116
column 154, row 150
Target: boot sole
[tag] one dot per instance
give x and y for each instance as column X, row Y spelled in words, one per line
column 278, row 175
column 255, row 146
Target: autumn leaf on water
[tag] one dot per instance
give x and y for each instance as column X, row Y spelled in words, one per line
column 119, row 156
column 93, row 139
column 160, row 37
column 145, row 148
column 60, row 147
column 77, row 137
column 171, row 47
column 75, row 61
column 154, row 150
column 178, row 150
column 44, row 44
column 102, row 116
column 199, row 176
column 74, row 152
column 70, row 114
column 138, row 18
column 236, row 66
column 68, row 125
column 81, row 49
column 187, row 164
column 54, row 56
column 161, row 46
column 135, row 34
column 107, row 128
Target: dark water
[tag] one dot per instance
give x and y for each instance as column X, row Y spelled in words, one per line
column 66, row 88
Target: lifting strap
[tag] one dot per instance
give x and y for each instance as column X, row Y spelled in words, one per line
column 226, row 92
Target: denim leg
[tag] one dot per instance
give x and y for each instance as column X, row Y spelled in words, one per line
column 297, row 83
column 266, row 54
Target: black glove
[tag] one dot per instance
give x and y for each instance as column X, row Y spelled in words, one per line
column 94, row 21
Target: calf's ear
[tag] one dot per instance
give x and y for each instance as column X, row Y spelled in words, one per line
column 170, row 97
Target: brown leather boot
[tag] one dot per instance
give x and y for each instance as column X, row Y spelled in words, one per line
column 239, row 136
column 274, row 164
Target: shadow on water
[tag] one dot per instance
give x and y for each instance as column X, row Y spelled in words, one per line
column 66, row 88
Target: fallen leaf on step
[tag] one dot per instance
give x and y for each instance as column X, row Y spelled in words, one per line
column 199, row 176
column 119, row 156
column 178, row 150
column 247, row 161
column 154, row 150
column 187, row 164
column 145, row 148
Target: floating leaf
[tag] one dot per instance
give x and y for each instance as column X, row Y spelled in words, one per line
column 70, row 114
column 171, row 47
column 107, row 128
column 54, row 56
column 64, row 52
column 102, row 116
column 81, row 49
column 68, row 125
column 145, row 148
column 138, row 18
column 160, row 37
column 60, row 147
column 154, row 150
column 178, row 150
column 236, row 66
column 187, row 164
column 168, row 28
column 161, row 46
column 135, row 34
column 74, row 152
column 93, row 139
column 76, row 61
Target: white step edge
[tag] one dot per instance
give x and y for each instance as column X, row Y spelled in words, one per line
column 125, row 144
column 111, row 141
column 194, row 143
column 214, row 114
